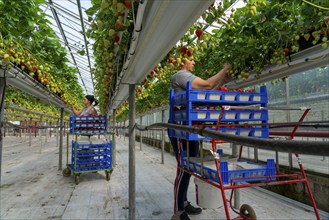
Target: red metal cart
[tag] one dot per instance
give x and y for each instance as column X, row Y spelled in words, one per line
column 224, row 180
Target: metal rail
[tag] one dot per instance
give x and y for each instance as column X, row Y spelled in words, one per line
column 29, row 111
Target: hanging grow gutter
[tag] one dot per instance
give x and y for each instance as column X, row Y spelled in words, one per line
column 163, row 25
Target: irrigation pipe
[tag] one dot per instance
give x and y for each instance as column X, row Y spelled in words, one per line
column 319, row 148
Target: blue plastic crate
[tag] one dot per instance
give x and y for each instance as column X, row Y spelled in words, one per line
column 92, row 167
column 88, row 124
column 206, row 115
column 204, row 106
column 87, row 156
column 248, row 175
column 264, row 173
column 218, row 97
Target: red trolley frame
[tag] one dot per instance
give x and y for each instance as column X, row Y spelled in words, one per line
column 273, row 180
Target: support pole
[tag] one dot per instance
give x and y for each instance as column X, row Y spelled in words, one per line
column 132, row 178
column 50, row 130
column 30, row 133
column 60, row 159
column 113, row 139
column 40, row 131
column 25, row 130
column 35, row 129
column 57, row 129
column 124, row 131
column 277, row 160
column 288, row 117
column 163, row 137
column 67, row 142
column 46, row 133
column 141, row 135
column 256, row 154
column 2, row 97
column 235, row 152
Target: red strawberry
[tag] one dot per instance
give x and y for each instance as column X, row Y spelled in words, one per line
column 118, row 24
column 223, row 89
column 326, row 20
column 286, row 51
column 188, row 53
column 116, row 38
column 127, row 3
column 122, row 14
column 198, row 32
column 34, row 67
column 183, row 49
column 170, row 59
column 156, row 69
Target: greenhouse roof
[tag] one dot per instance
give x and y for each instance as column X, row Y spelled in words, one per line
column 69, row 21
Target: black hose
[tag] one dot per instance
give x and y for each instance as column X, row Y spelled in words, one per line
column 320, row 148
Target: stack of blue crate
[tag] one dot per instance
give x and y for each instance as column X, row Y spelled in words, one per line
column 88, row 124
column 203, row 108
column 88, row 156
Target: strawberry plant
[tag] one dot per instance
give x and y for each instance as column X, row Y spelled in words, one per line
column 28, row 42
column 261, row 33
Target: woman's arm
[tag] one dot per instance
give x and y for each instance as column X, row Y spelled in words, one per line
column 75, row 112
column 219, row 79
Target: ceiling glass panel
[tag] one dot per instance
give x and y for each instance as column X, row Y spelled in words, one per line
column 65, row 16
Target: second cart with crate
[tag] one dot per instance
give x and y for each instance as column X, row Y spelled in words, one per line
column 89, row 154
column 234, row 113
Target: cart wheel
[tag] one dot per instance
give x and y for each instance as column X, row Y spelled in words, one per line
column 247, row 211
column 108, row 175
column 66, row 172
column 77, row 179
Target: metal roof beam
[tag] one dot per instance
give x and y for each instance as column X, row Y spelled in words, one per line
column 68, row 12
column 71, row 29
column 63, row 35
column 79, row 65
column 84, row 36
column 73, row 47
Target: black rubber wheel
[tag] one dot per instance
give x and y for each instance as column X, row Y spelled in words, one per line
column 247, row 211
column 66, row 172
column 77, row 179
column 108, row 175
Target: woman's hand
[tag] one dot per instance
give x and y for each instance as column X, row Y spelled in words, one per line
column 227, row 66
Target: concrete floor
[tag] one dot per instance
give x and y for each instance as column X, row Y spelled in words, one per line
column 32, row 187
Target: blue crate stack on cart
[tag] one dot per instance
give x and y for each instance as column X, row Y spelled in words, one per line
column 90, row 155
column 203, row 108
